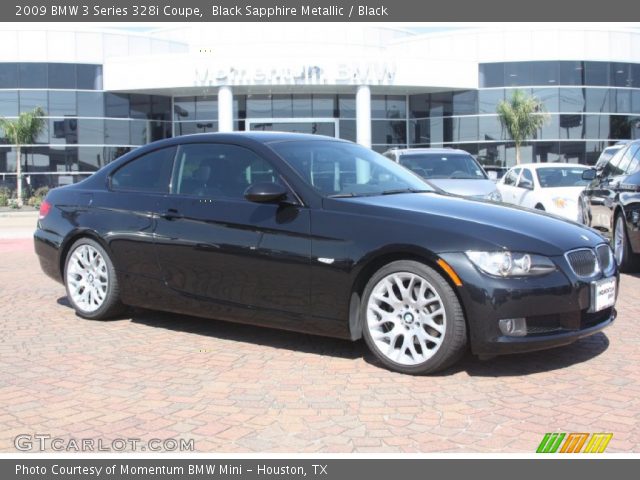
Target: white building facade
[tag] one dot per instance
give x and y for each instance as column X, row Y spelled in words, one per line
column 107, row 91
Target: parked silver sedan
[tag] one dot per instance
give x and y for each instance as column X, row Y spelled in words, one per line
column 454, row 171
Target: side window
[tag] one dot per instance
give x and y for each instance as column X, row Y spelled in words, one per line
column 627, row 158
column 511, row 177
column 526, row 177
column 634, row 165
column 149, row 173
column 612, row 168
column 218, row 170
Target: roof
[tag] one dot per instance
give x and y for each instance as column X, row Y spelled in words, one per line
column 410, row 151
column 537, row 166
column 257, row 136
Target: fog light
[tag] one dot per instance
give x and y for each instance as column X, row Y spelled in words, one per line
column 513, row 327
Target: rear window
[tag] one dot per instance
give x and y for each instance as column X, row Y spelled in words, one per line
column 150, row 172
column 443, row 165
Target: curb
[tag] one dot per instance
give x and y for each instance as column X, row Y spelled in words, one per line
column 19, row 213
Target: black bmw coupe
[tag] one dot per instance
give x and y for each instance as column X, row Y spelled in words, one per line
column 320, row 235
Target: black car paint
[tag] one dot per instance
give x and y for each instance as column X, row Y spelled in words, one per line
column 608, row 196
column 302, row 264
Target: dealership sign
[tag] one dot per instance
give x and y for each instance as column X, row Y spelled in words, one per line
column 370, row 73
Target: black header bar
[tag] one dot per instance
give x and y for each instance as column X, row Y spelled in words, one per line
column 318, row 469
column 317, row 11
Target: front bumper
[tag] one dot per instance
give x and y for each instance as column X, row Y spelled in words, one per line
column 555, row 307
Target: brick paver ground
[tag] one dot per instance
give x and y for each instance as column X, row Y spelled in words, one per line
column 234, row 388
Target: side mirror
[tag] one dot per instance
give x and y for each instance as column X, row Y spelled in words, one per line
column 589, row 174
column 265, row 192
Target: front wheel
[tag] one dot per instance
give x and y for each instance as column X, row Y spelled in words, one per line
column 91, row 282
column 621, row 249
column 412, row 319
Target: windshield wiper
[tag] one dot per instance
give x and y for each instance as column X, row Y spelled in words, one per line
column 344, row 195
column 404, row 190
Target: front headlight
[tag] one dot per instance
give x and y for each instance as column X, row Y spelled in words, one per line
column 563, row 202
column 511, row 264
column 494, row 196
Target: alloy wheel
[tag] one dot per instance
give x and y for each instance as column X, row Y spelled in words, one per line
column 87, row 278
column 406, row 318
column 619, row 240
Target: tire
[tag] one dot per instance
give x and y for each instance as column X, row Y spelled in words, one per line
column 540, row 207
column 431, row 335
column 91, row 282
column 627, row 261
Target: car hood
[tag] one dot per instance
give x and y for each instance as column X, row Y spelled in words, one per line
column 466, row 188
column 454, row 224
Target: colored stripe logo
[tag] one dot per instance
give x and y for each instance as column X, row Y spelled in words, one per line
column 560, row 442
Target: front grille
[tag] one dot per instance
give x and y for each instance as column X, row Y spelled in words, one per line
column 604, row 257
column 594, row 318
column 555, row 322
column 583, row 262
column 540, row 325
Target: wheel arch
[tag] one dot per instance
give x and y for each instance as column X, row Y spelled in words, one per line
column 618, row 210
column 72, row 238
column 375, row 263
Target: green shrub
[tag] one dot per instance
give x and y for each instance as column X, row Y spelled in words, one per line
column 41, row 192
column 5, row 196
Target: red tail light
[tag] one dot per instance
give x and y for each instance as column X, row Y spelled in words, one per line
column 45, row 208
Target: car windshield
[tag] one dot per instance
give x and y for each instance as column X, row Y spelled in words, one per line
column 443, row 165
column 340, row 169
column 561, row 177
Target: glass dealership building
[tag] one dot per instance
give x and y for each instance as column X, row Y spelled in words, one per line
column 106, row 91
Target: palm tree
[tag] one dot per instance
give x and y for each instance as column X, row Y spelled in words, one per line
column 522, row 115
column 23, row 131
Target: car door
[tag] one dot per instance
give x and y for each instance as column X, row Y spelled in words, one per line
column 216, row 246
column 507, row 185
column 125, row 214
column 630, row 200
column 524, row 190
column 604, row 189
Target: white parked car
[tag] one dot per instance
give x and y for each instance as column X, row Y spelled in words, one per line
column 553, row 187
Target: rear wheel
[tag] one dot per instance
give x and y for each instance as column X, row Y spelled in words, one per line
column 412, row 320
column 91, row 282
column 627, row 261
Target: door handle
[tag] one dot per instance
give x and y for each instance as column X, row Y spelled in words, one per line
column 171, row 214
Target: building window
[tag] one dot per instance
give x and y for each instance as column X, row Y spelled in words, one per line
column 62, row 103
column 62, row 75
column 32, row 75
column 89, row 77
column 8, row 75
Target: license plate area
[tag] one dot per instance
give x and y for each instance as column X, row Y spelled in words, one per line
column 603, row 294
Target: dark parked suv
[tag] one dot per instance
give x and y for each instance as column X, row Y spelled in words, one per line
column 611, row 203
